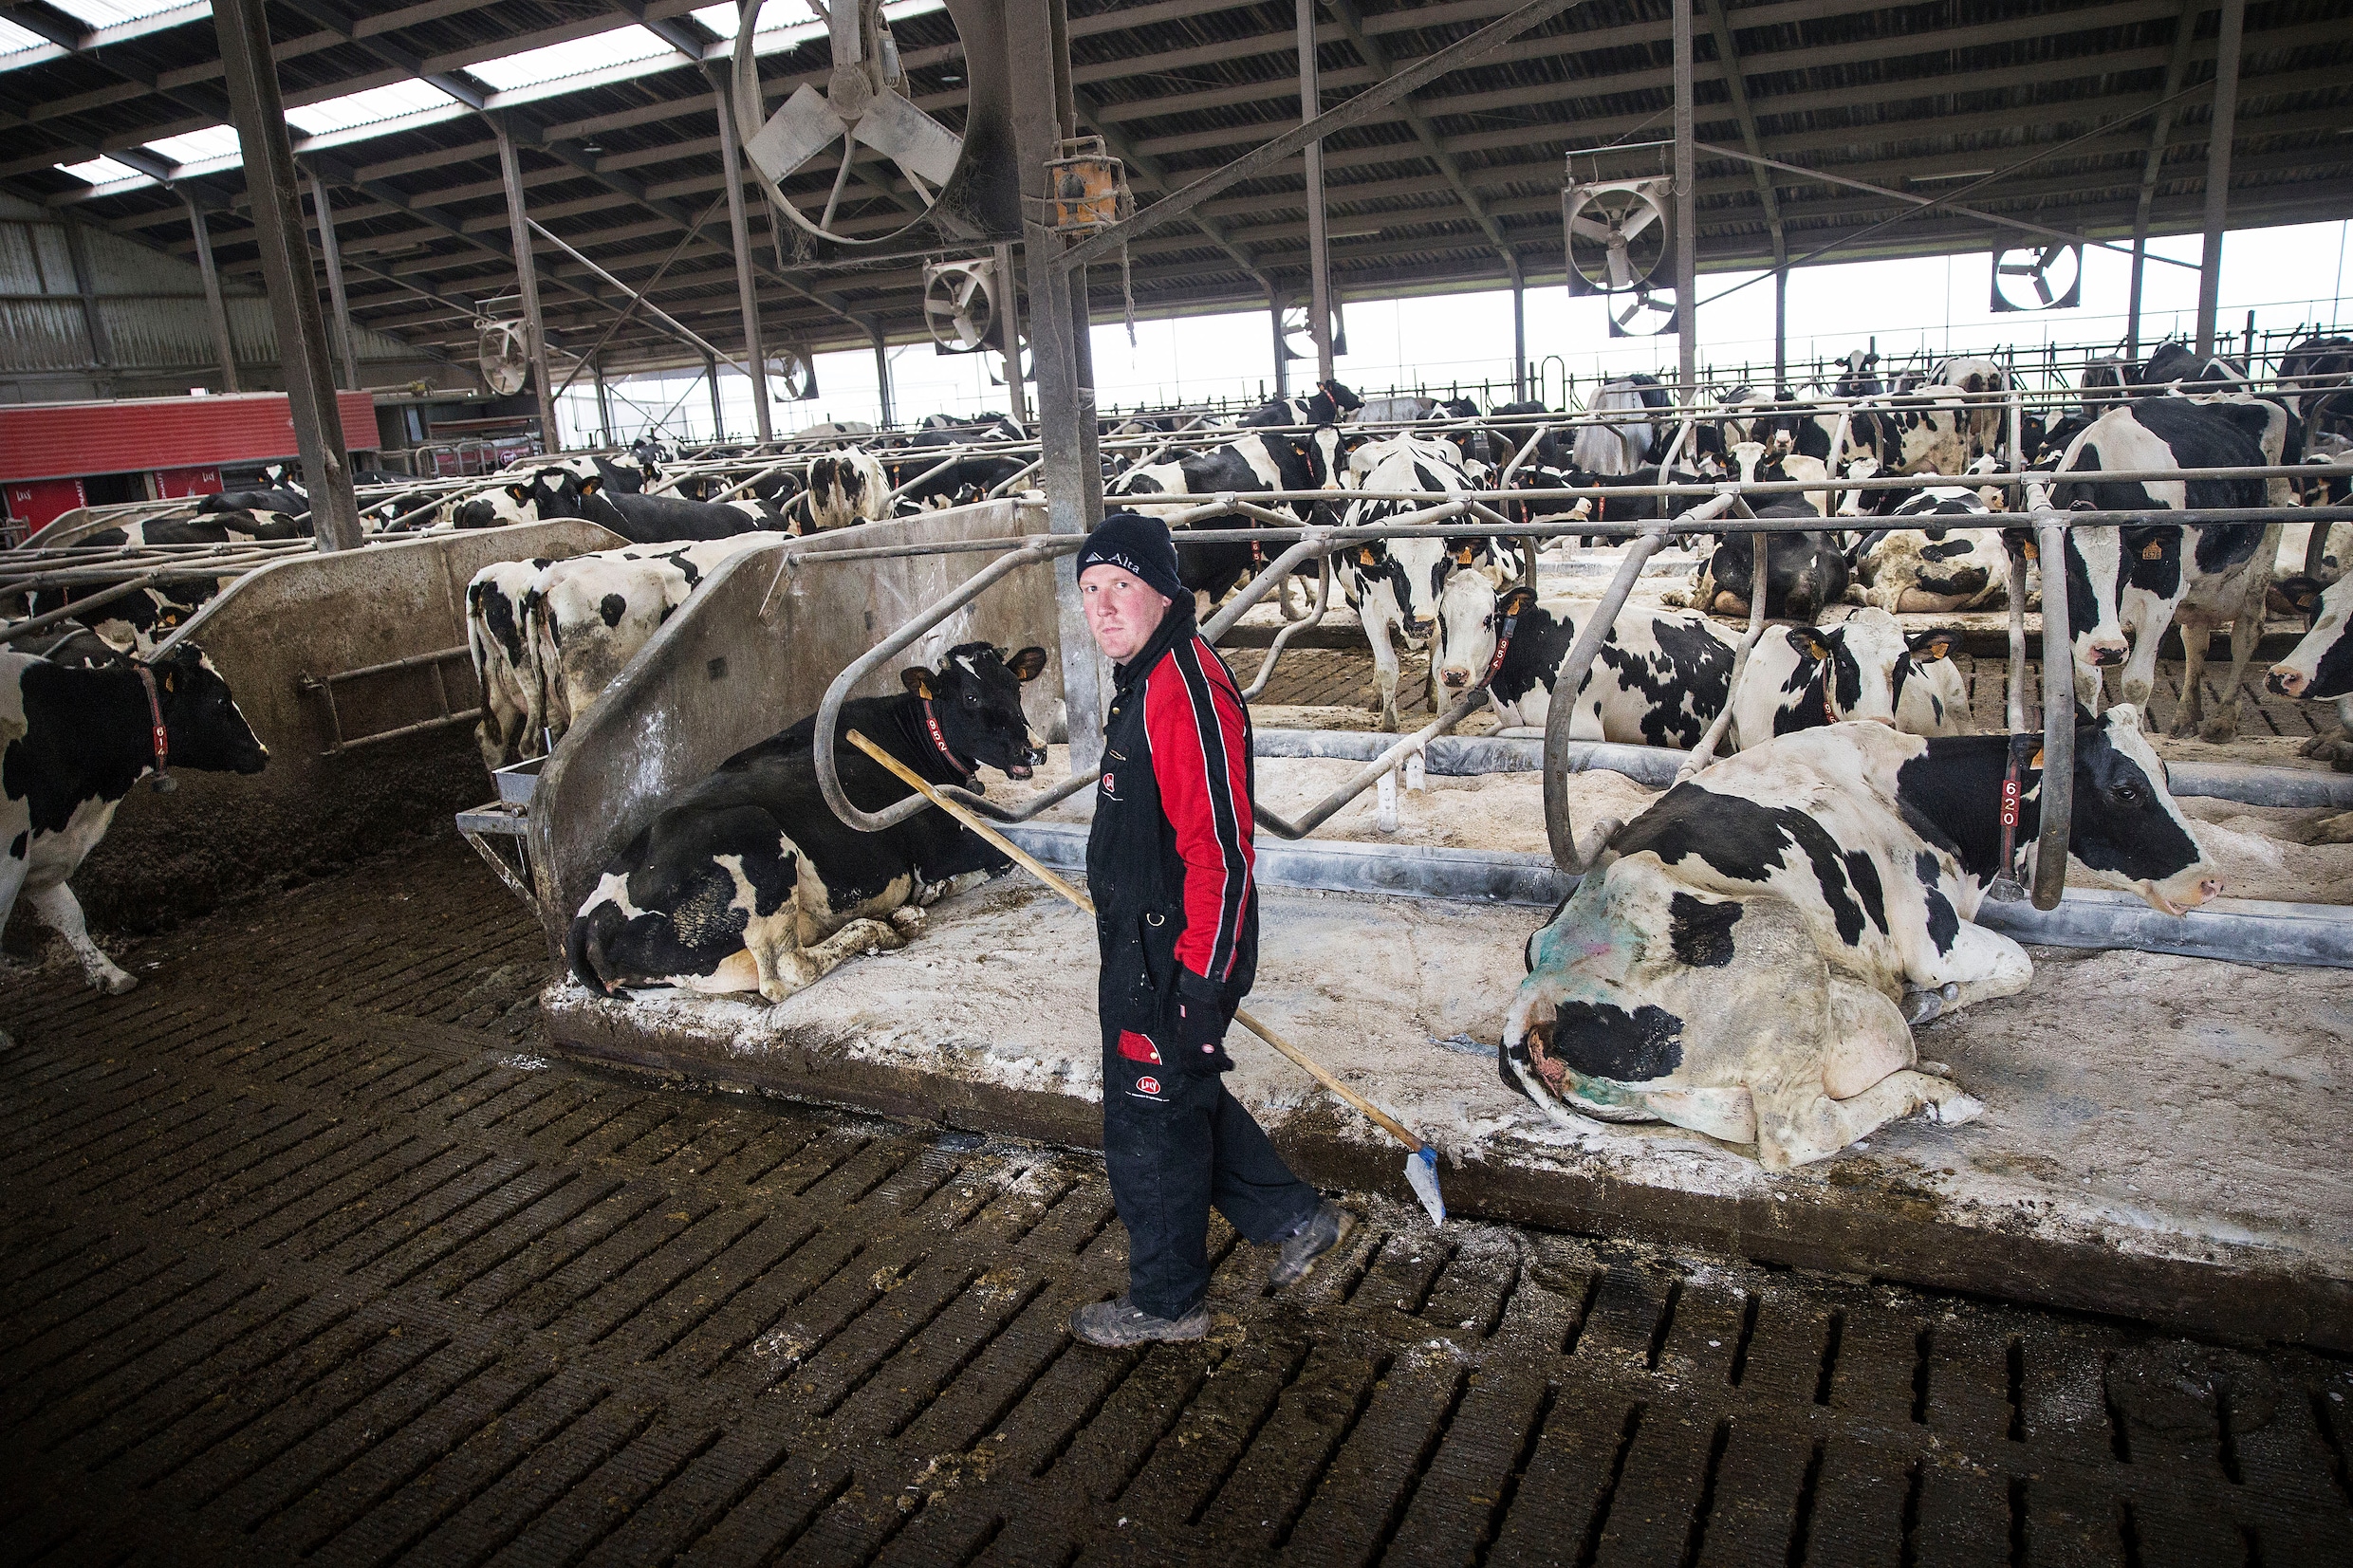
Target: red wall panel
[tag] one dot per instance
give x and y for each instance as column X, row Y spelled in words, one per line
column 54, row 440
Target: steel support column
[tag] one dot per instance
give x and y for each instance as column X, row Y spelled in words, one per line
column 2160, row 136
column 1319, row 250
column 1065, row 397
column 85, row 285
column 1519, row 334
column 223, row 347
column 605, row 404
column 718, row 415
column 1009, row 319
column 346, row 347
column 1781, row 327
column 1686, row 218
column 2227, row 49
column 1282, row 352
column 740, row 229
column 527, row 281
column 275, row 187
column 881, row 369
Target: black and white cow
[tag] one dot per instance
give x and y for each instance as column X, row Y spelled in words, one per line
column 1805, row 572
column 1328, row 404
column 587, row 616
column 2177, row 366
column 547, row 494
column 2320, row 669
column 666, row 518
column 842, row 488
column 1855, row 378
column 1395, row 583
column 748, row 881
column 73, row 741
column 506, row 662
column 137, row 621
column 2314, row 376
column 1864, row 667
column 1747, row 956
column 2144, row 580
column 1940, row 563
column 1976, row 375
column 961, row 483
column 1659, row 678
column 1256, row 461
column 1624, row 443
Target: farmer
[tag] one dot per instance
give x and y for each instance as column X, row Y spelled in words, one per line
column 1176, row 916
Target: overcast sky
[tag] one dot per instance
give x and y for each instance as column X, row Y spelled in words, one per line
column 2288, row 277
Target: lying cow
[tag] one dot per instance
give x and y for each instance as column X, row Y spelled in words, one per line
column 669, row 520
column 1864, row 667
column 73, row 741
column 1659, row 678
column 1940, row 565
column 748, row 881
column 1747, row 956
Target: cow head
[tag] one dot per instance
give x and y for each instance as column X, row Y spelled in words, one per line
column 2094, row 573
column 201, row 720
column 2125, row 828
column 1471, row 619
column 2321, row 664
column 1927, row 663
column 1853, row 665
column 975, row 694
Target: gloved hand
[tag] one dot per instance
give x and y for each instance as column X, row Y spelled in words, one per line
column 1200, row 1024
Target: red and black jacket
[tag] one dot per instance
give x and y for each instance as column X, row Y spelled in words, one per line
column 1168, row 859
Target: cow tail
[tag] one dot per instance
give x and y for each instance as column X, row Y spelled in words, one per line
column 584, row 947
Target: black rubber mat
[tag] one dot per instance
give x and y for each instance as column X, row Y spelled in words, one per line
column 310, row 1257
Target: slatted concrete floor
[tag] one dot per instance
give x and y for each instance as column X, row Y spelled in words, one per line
column 1344, row 678
column 309, row 1258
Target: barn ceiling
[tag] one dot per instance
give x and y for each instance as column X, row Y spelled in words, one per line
column 115, row 109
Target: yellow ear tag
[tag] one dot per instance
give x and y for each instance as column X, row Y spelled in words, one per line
column 2152, row 551
column 2038, row 758
column 1365, row 555
column 2033, row 551
column 1462, row 557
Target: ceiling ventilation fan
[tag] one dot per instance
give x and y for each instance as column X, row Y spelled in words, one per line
column 863, row 105
column 503, row 351
column 960, row 304
column 1299, row 344
column 2044, row 277
column 1618, row 243
column 793, row 374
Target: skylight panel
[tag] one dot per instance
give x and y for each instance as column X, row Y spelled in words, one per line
column 557, row 61
column 107, row 13
column 213, row 141
column 101, row 170
column 16, row 40
column 789, row 24
column 366, row 108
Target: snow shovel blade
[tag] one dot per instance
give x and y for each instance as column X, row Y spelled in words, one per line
column 1421, row 1174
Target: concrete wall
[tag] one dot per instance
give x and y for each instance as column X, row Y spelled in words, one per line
column 721, row 675
column 315, row 615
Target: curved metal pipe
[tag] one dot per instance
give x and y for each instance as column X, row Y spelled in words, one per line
column 829, row 710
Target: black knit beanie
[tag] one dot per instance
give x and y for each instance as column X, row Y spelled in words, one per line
column 1137, row 545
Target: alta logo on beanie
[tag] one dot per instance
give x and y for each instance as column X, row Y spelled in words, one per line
column 1137, row 545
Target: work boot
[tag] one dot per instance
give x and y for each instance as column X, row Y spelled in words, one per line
column 1117, row 1325
column 1324, row 1229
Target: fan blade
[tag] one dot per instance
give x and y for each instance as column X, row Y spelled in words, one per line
column 1641, row 217
column 2042, row 289
column 1585, row 229
column 793, row 134
column 842, row 25
column 1620, row 271
column 910, row 137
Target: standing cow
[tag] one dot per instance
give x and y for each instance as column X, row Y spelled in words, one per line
column 1747, row 956
column 73, row 741
column 748, row 881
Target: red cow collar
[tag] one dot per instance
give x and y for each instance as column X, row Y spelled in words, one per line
column 931, row 724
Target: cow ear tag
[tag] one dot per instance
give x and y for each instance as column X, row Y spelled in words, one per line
column 917, row 680
column 1462, row 557
column 2038, row 758
column 2153, row 550
column 589, row 486
column 520, row 492
column 2033, row 551
column 1365, row 555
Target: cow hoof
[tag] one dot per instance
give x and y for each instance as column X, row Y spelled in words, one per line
column 908, row 919
column 1919, row 1006
column 2331, row 748
column 1935, row 1069
column 1953, row 1108
column 2219, row 731
column 117, row 983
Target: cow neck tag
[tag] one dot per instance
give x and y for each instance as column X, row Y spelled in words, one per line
column 931, row 723
column 1503, row 646
column 2006, row 888
column 159, row 739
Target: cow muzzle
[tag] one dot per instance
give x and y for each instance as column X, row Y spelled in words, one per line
column 2286, row 682
column 2207, row 888
column 2106, row 651
column 1454, row 679
column 1419, row 629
